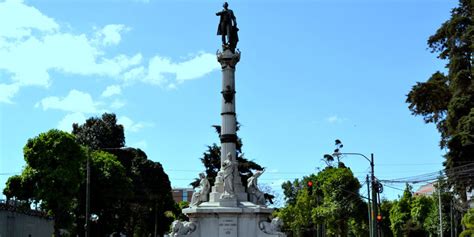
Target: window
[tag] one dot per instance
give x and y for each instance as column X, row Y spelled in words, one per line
column 185, row 195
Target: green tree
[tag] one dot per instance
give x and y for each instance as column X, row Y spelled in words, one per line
column 21, row 188
column 447, row 100
column 291, row 189
column 385, row 207
column 416, row 215
column 341, row 201
column 421, row 207
column 53, row 162
column 151, row 195
column 468, row 222
column 400, row 213
column 15, row 188
column 333, row 202
column 110, row 188
column 100, row 133
column 431, row 224
column 151, row 199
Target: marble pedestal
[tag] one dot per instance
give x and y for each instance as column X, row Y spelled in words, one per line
column 244, row 220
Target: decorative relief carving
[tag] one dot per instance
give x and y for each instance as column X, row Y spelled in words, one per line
column 227, row 59
column 228, row 94
column 273, row 227
column 179, row 228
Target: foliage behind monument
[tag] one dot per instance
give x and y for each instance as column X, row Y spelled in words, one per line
column 447, row 99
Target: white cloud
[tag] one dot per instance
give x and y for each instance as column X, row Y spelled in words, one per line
column 75, row 101
column 335, row 119
column 7, row 92
column 26, row 20
column 131, row 126
column 117, row 104
column 134, row 74
column 198, row 66
column 172, row 86
column 159, row 69
column 66, row 123
column 112, row 90
column 111, row 34
column 32, row 45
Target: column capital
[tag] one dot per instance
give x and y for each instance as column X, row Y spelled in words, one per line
column 227, row 59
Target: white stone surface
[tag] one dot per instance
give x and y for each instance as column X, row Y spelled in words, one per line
column 245, row 220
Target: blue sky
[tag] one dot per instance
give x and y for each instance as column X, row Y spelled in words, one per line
column 311, row 71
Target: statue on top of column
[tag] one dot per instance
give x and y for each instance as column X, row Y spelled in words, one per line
column 228, row 27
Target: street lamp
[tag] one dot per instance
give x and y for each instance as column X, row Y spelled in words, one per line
column 374, row 190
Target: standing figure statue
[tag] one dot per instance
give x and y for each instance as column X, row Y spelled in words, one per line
column 256, row 196
column 228, row 27
column 228, row 167
column 200, row 195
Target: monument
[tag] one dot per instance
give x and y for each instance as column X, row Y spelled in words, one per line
column 228, row 209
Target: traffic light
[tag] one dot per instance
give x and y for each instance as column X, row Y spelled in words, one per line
column 310, row 187
column 379, row 219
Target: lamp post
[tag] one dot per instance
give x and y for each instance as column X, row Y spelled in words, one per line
column 368, row 205
column 374, row 189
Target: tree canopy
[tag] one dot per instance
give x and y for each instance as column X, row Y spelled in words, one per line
column 129, row 193
column 110, row 188
column 418, row 215
column 334, row 202
column 148, row 197
column 468, row 222
column 53, row 168
column 447, row 99
column 100, row 133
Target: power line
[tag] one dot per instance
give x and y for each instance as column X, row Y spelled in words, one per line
column 14, row 173
column 460, row 171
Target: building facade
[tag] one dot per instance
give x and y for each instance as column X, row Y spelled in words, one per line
column 182, row 194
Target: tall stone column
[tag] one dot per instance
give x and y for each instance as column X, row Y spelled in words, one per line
column 228, row 137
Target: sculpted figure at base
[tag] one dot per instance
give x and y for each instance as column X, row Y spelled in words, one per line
column 273, row 227
column 201, row 195
column 228, row 171
column 179, row 228
column 228, row 27
column 256, row 196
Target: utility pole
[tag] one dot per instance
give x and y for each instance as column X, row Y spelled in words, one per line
column 452, row 219
column 156, row 217
column 88, row 194
column 373, row 212
column 374, row 197
column 439, row 207
column 368, row 205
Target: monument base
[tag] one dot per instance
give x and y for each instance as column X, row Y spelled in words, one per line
column 244, row 220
